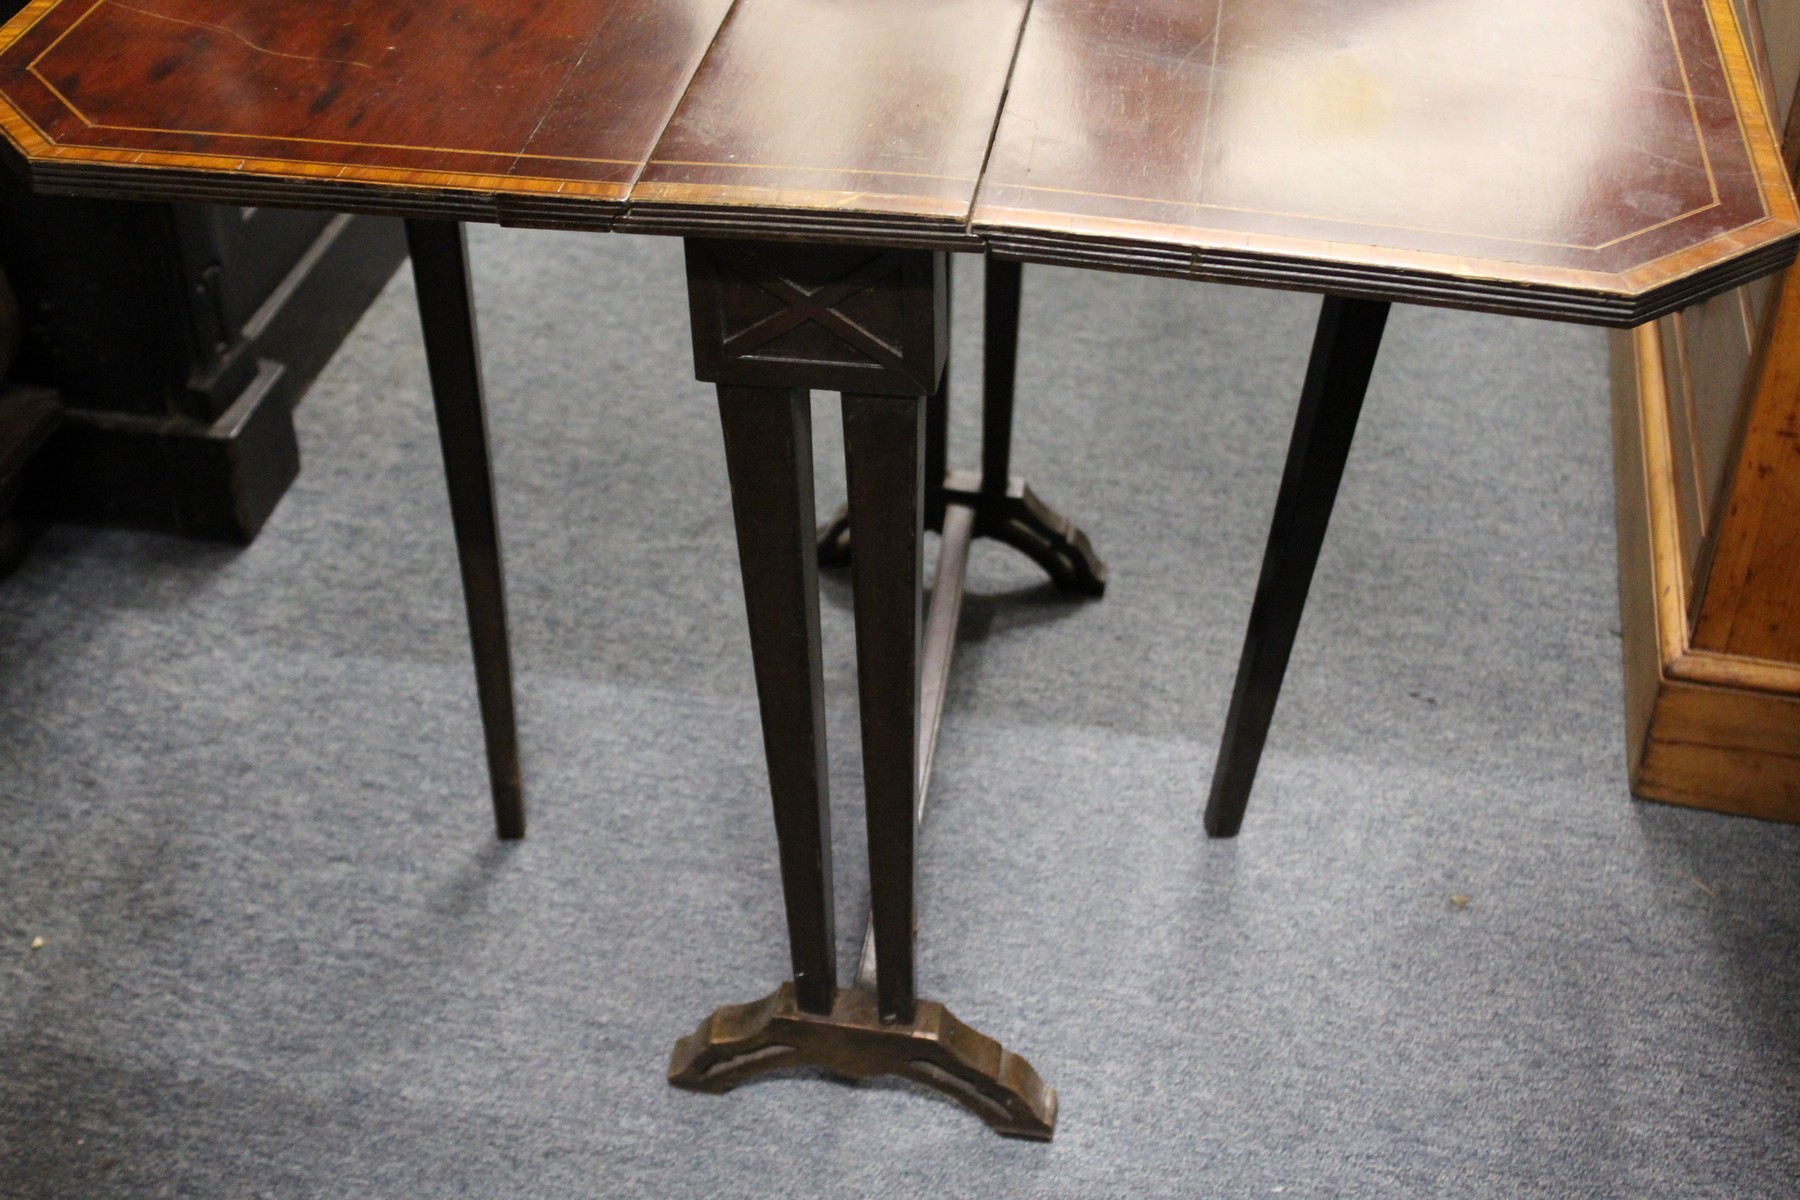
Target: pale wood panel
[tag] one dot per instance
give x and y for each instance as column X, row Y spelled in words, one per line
column 1726, row 750
column 1718, row 353
column 1695, row 735
column 1637, row 579
column 1780, row 36
column 1684, row 475
column 1752, row 601
column 1735, row 671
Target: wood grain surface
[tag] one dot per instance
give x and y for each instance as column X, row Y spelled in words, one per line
column 1594, row 160
column 1751, row 606
column 1535, row 144
column 527, row 111
column 879, row 115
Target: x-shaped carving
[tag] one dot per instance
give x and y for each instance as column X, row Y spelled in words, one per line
column 819, row 306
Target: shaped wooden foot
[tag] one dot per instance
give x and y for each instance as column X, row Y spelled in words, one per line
column 741, row 1041
column 1017, row 517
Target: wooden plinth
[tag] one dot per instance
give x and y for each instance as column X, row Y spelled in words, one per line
column 1704, row 728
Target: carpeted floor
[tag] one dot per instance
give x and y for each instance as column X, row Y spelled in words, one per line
column 257, row 939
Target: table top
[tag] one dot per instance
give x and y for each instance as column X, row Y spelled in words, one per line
column 1592, row 160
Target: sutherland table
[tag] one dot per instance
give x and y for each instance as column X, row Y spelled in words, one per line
column 1603, row 161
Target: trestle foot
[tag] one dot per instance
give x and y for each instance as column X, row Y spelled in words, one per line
column 742, row 1041
column 1018, row 519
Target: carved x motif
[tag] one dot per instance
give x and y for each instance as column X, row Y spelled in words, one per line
column 819, row 306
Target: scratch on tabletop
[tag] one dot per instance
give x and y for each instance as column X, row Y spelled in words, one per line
column 348, row 62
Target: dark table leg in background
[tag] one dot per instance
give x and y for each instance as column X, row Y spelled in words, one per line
column 447, row 314
column 1343, row 357
column 937, row 451
column 999, row 372
column 1006, row 509
column 937, row 425
column 768, row 453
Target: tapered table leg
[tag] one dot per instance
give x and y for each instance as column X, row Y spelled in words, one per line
column 768, row 453
column 1337, row 378
column 883, row 455
column 453, row 354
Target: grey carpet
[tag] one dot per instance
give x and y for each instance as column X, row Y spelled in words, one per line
column 281, row 954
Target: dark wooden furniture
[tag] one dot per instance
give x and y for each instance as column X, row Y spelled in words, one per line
column 1604, row 161
column 178, row 338
column 28, row 416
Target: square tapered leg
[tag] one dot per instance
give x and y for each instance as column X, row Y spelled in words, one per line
column 1337, row 378
column 440, row 261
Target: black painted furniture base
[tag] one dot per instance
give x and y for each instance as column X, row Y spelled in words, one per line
column 28, row 416
column 218, row 479
column 204, row 448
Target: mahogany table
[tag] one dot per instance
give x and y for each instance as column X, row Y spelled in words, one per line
column 1604, row 161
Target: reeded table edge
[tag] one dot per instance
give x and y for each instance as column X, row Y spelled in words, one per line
column 208, row 179
column 1410, row 277
column 728, row 211
column 1414, row 277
